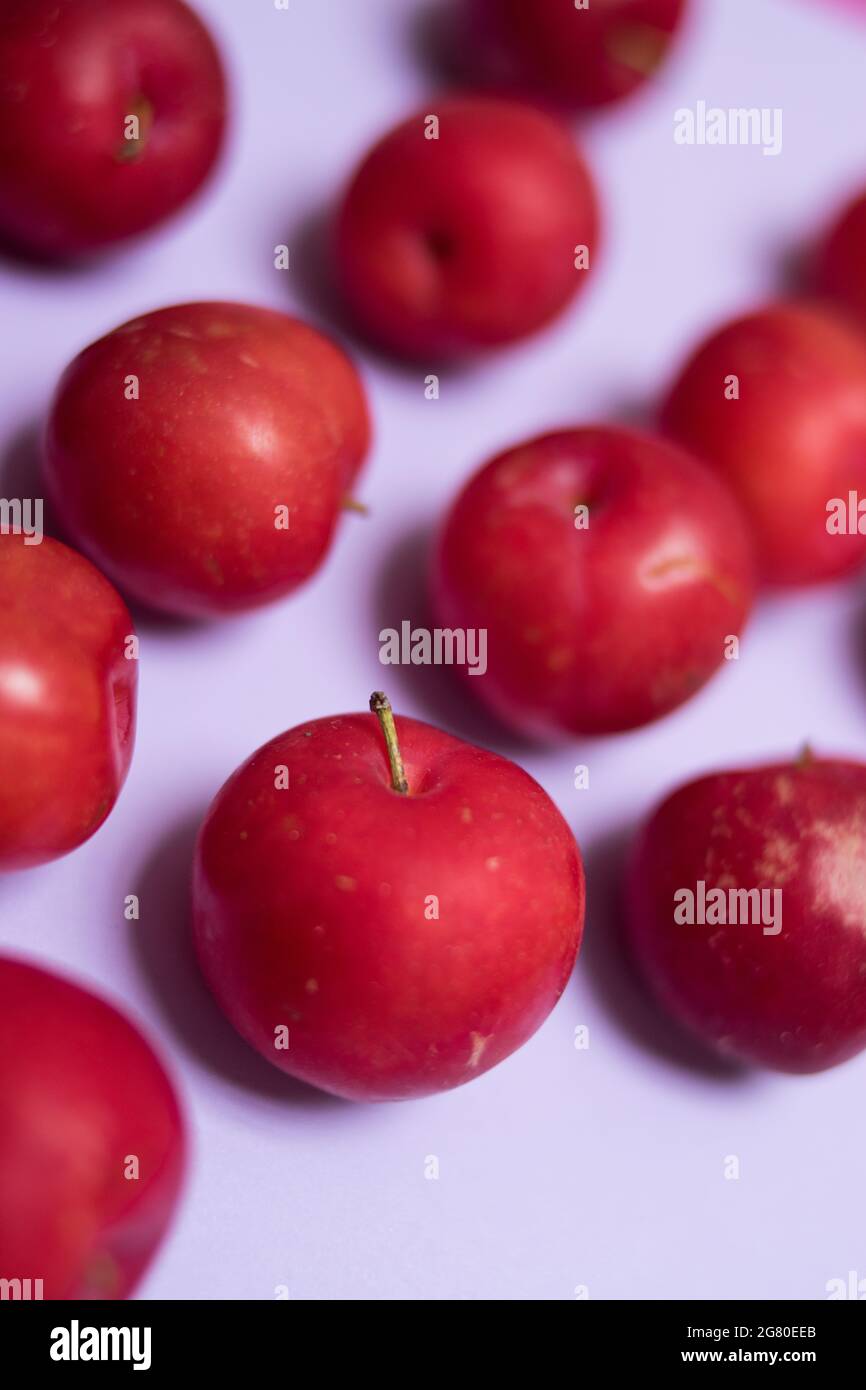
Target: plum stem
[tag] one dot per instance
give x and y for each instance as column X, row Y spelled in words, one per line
column 130, row 150
column 380, row 705
column 351, row 504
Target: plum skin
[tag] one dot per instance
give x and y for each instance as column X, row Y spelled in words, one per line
column 792, row 1002
column 81, row 1093
column 601, row 629
column 450, row 246
column 173, row 491
column 309, row 908
column 68, row 694
column 575, row 59
column 792, row 441
column 72, row 72
column 840, row 262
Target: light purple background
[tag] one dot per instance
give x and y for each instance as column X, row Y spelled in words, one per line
column 561, row 1168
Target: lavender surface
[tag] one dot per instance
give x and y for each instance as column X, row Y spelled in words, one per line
column 563, row 1169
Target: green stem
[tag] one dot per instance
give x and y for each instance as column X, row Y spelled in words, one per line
column 381, row 707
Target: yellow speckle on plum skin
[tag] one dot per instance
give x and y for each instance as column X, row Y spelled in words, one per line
column 559, row 659
column 479, row 1043
column 841, row 871
column 778, row 861
column 345, row 883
